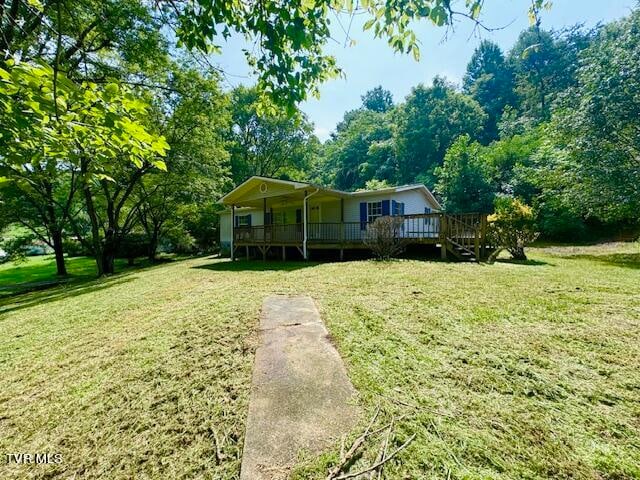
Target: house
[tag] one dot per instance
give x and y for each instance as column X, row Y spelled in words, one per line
column 267, row 215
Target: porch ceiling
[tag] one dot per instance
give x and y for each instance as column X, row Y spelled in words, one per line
column 290, row 199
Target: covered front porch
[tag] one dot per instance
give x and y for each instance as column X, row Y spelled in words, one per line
column 272, row 216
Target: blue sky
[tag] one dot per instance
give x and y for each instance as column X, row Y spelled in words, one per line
column 371, row 62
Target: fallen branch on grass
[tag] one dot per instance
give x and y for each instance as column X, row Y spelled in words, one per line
column 346, row 458
column 381, row 458
column 378, row 464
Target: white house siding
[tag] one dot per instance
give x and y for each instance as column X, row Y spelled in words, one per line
column 225, row 224
column 414, row 201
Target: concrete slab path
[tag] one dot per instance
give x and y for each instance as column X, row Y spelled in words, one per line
column 301, row 397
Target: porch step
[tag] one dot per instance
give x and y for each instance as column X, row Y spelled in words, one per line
column 460, row 252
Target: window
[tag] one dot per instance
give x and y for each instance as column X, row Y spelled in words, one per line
column 427, row 209
column 398, row 208
column 374, row 210
column 243, row 220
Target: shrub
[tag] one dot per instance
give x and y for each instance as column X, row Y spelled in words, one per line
column 384, row 237
column 16, row 248
column 133, row 245
column 73, row 248
column 512, row 226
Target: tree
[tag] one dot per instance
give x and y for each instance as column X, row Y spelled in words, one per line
column 377, row 100
column 545, row 64
column 264, row 144
column 193, row 115
column 361, row 150
column 59, row 137
column 88, row 39
column 489, row 80
column 428, row 123
column 595, row 132
column 463, row 179
column 288, row 37
column 39, row 112
column 512, row 227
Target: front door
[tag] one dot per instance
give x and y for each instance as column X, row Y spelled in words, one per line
column 314, row 214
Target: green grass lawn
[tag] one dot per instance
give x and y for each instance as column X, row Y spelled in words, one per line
column 38, row 271
column 502, row 371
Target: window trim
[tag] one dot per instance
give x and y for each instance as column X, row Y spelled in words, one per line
column 371, row 214
column 244, row 220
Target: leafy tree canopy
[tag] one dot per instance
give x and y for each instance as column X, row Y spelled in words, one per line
column 378, row 100
column 428, row 123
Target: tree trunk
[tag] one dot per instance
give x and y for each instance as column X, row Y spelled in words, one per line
column 109, row 252
column 153, row 246
column 61, row 269
column 98, row 251
column 518, row 253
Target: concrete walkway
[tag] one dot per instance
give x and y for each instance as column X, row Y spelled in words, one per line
column 301, row 398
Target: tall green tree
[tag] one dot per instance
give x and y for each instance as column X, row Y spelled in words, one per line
column 58, row 138
column 87, row 39
column 361, row 150
column 193, row 115
column 489, row 80
column 464, row 180
column 545, row 65
column 596, row 132
column 267, row 144
column 428, row 123
column 377, row 100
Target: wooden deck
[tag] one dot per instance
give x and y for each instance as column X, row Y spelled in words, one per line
column 461, row 235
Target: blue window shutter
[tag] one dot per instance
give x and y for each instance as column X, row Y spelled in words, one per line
column 363, row 215
column 402, row 208
column 267, row 218
column 236, row 221
column 298, row 215
column 249, row 220
column 385, row 207
column 394, row 207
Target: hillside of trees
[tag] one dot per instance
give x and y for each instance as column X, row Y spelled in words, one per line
column 554, row 121
column 117, row 138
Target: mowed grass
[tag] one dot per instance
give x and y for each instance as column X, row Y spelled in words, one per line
column 37, row 271
column 501, row 371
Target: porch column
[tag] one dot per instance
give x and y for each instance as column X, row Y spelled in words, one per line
column 341, row 234
column 264, row 228
column 304, row 226
column 233, row 229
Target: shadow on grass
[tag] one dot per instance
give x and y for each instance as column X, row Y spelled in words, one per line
column 626, row 260
column 256, row 266
column 529, row 262
column 50, row 291
column 74, row 289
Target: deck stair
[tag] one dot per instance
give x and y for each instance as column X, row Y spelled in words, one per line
column 460, row 252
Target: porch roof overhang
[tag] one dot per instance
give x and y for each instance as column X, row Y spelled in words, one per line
column 253, row 192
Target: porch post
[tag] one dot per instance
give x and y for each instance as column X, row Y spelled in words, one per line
column 341, row 235
column 233, row 230
column 443, row 236
column 264, row 228
column 304, row 226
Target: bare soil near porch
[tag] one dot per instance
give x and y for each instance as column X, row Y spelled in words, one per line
column 509, row 370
